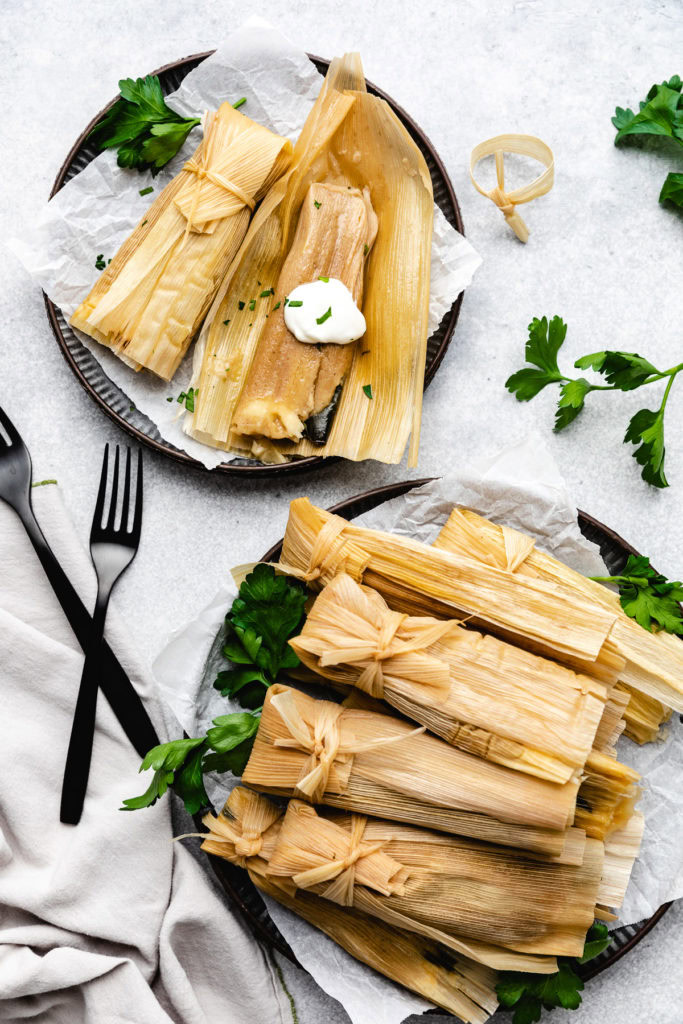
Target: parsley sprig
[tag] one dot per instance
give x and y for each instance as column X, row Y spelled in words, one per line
column 660, row 114
column 530, row 994
column 141, row 127
column 268, row 611
column 647, row 596
column 623, row 371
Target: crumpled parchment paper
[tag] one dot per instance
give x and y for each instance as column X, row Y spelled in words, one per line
column 96, row 211
column 520, row 486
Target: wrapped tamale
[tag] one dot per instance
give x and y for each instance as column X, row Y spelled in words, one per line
column 419, row 579
column 262, row 391
column 481, row 899
column 149, row 302
column 380, row 765
column 653, row 661
column 477, row 692
column 245, row 834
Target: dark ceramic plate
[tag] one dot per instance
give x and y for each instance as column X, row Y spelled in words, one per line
column 236, row 883
column 114, row 401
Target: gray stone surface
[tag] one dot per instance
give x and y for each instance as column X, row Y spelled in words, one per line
column 602, row 253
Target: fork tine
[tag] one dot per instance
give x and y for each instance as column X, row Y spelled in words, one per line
column 126, row 495
column 11, row 430
column 137, row 518
column 114, row 493
column 99, row 505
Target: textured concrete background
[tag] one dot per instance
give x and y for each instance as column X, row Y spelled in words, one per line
column 603, row 254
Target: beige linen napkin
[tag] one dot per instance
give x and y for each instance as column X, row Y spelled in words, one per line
column 110, row 921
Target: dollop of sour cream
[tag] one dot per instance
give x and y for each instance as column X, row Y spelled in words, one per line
column 324, row 311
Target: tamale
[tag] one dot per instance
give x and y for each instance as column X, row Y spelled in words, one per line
column 608, row 794
column 477, row 692
column 245, row 834
column 351, row 142
column 419, row 579
column 290, row 381
column 148, row 303
column 643, row 716
column 378, row 765
column 466, row 891
column 653, row 661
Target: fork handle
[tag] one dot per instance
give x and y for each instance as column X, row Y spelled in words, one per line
column 77, row 767
column 115, row 684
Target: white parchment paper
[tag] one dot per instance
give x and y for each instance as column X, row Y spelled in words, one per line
column 96, row 211
column 520, row 486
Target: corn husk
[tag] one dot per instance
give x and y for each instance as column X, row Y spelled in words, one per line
column 245, row 834
column 607, row 797
column 653, row 661
column 418, row 579
column 478, row 693
column 466, row 891
column 621, row 849
column 352, row 140
column 377, row 764
column 149, row 302
column 643, row 716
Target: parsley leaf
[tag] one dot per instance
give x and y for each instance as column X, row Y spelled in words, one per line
column 660, row 114
column 623, row 371
column 144, row 130
column 167, row 760
column 530, row 994
column 672, row 190
column 647, row 596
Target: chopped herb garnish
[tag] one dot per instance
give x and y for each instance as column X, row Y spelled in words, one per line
column 170, row 398
column 241, row 305
column 225, row 323
column 268, row 292
column 240, row 102
column 146, row 191
column 187, row 397
column 647, row 596
column 367, row 390
column 366, row 249
column 252, row 304
column 295, row 302
column 143, row 223
column 326, row 316
column 286, row 302
column 277, row 305
column 317, row 204
column 99, row 262
column 325, row 279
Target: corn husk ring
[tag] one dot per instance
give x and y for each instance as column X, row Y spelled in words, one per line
column 525, row 145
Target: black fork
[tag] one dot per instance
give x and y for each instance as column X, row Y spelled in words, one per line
column 15, row 489
column 113, row 548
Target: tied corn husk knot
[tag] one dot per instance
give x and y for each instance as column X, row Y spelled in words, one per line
column 363, row 631
column 322, row 740
column 325, row 549
column 343, row 872
column 238, row 833
column 507, row 202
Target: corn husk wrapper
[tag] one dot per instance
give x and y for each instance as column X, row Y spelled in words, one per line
column 478, row 693
column 653, row 661
column 465, row 891
column 350, row 139
column 376, row 764
column 245, row 834
column 419, row 579
column 149, row 302
column 607, row 797
column 643, row 716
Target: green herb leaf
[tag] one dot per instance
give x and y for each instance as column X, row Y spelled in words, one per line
column 240, row 304
column 544, row 342
column 647, row 596
column 660, row 114
column 325, row 279
column 144, row 130
column 230, row 730
column 240, row 102
column 277, row 305
column 672, row 190
column 167, row 760
column 646, row 429
column 367, row 390
column 572, row 395
column 225, row 323
column 146, row 191
column 317, row 204
column 233, row 761
column 326, row 316
column 99, row 263
column 252, row 304
column 597, row 941
column 268, row 292
column 294, row 302
column 623, row 370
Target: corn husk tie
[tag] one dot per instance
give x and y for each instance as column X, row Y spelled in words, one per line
column 342, row 871
column 237, row 833
column 323, row 743
column 525, row 145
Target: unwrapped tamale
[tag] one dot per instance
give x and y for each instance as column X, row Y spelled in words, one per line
column 149, row 302
column 379, row 765
column 477, row 692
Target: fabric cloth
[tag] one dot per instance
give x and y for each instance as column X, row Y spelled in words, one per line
column 109, row 921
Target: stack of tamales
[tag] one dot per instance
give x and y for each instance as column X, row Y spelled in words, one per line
column 467, row 791
column 149, row 302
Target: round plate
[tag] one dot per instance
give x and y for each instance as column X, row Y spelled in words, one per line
column 614, row 550
column 115, row 402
